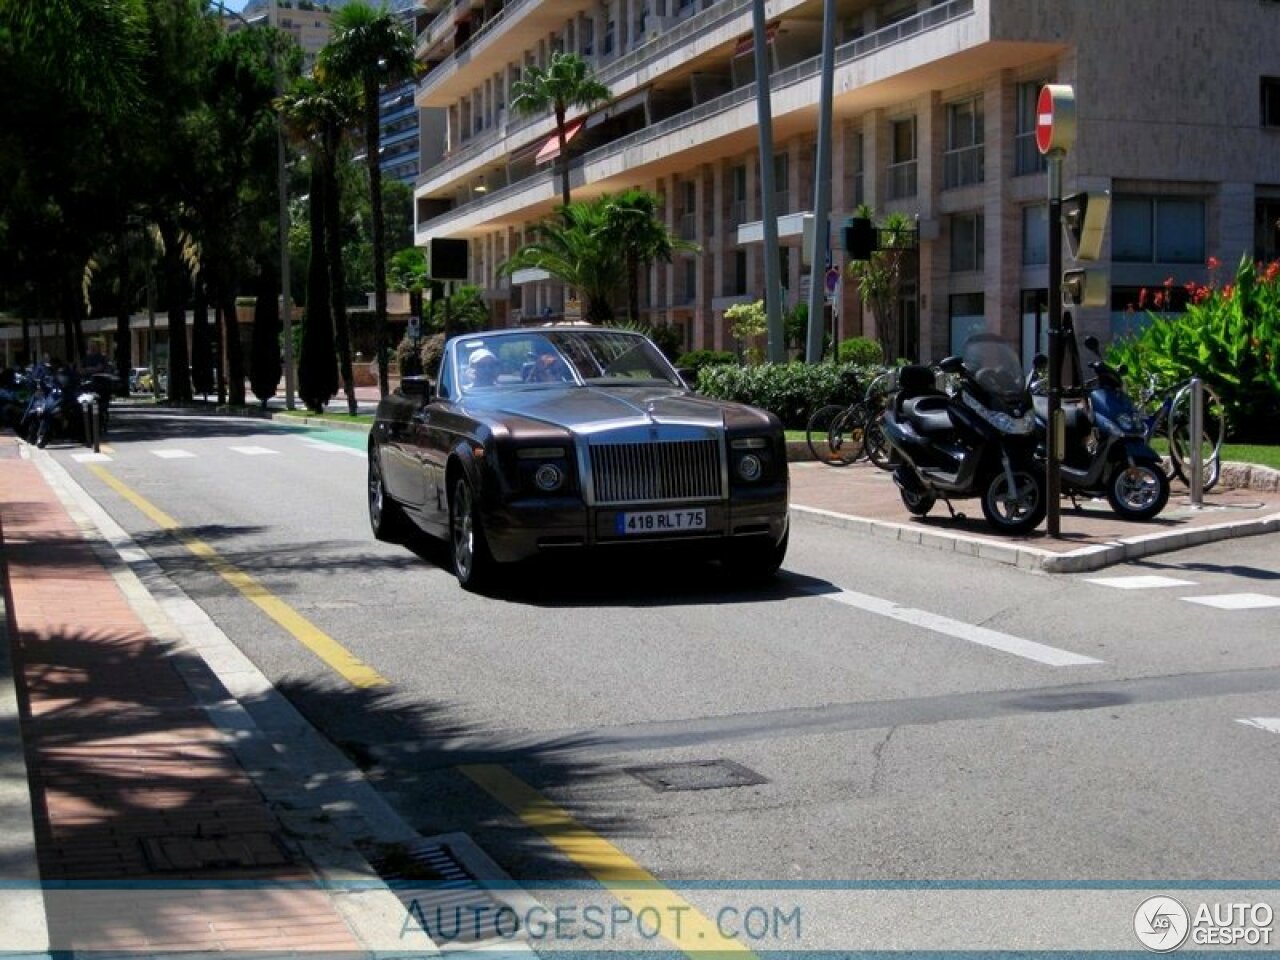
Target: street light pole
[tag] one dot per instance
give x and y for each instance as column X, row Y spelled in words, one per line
column 282, row 186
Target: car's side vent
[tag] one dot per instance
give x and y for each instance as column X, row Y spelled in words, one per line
column 657, row 472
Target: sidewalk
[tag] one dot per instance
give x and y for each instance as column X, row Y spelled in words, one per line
column 864, row 499
column 131, row 782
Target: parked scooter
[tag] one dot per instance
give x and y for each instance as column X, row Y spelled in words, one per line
column 55, row 410
column 1105, row 453
column 978, row 441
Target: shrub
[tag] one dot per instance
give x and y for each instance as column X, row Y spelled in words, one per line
column 695, row 360
column 1229, row 337
column 860, row 350
column 791, row 391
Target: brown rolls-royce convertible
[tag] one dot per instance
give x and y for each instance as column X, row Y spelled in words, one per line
column 556, row 439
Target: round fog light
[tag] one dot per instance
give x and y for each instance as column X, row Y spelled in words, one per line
column 549, row 477
column 750, row 467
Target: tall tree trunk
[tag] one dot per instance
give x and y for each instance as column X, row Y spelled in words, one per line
column 337, row 275
column 202, row 378
column 318, row 372
column 124, row 352
column 264, row 358
column 175, row 306
column 235, row 355
column 372, row 132
column 563, row 158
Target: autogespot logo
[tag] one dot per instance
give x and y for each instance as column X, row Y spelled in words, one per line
column 1161, row 924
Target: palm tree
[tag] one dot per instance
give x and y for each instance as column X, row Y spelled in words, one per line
column 579, row 251
column 880, row 278
column 317, row 115
column 371, row 48
column 632, row 221
column 563, row 84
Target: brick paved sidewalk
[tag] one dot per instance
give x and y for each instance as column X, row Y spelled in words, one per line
column 131, row 782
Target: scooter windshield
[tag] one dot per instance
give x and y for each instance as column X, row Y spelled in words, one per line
column 994, row 365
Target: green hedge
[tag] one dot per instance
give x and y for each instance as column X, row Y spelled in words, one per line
column 792, row 391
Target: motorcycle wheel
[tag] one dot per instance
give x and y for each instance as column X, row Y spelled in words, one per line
column 915, row 497
column 1019, row 510
column 1138, row 492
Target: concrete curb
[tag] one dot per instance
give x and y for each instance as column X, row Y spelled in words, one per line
column 1034, row 558
column 26, row 930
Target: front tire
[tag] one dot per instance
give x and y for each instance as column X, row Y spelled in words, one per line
column 386, row 519
column 473, row 564
column 1138, row 492
column 756, row 562
column 1019, row 510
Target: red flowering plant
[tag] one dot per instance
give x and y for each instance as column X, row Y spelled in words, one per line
column 1228, row 335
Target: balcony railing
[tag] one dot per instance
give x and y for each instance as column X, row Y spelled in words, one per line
column 963, row 167
column 846, row 53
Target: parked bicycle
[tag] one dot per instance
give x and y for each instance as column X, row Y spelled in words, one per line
column 1166, row 412
column 841, row 434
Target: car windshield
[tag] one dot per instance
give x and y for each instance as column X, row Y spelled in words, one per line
column 563, row 357
column 993, row 364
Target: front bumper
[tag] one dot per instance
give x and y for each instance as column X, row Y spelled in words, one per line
column 523, row 529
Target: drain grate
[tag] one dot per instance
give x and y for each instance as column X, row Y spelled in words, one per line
column 241, row 851
column 697, row 775
column 441, row 897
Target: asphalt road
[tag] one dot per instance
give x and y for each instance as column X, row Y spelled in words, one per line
column 911, row 715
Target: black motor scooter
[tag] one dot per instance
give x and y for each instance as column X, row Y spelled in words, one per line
column 978, row 441
column 1105, row 452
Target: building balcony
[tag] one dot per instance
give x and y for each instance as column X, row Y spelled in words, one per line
column 940, row 45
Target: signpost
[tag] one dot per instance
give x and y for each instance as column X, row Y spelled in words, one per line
column 1055, row 135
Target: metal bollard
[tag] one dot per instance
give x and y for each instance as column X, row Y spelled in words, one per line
column 94, row 418
column 84, row 408
column 1193, row 449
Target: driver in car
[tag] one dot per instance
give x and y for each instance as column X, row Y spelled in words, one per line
column 484, row 368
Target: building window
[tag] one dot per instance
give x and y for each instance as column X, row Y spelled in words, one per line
column 689, row 211
column 586, row 36
column 967, row 316
column 859, row 191
column 963, row 159
column 1271, row 101
column 690, row 280
column 738, row 282
column 967, row 242
column 1035, row 235
column 609, row 32
column 739, row 213
column 902, row 168
column 1027, row 158
column 1158, row 230
column 1266, row 218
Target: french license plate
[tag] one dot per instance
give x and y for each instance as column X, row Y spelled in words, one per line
column 662, row 521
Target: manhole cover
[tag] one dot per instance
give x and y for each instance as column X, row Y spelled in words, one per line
column 697, row 775
column 242, row 851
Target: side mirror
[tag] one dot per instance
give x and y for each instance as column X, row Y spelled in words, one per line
column 417, row 386
column 1040, row 362
column 951, row 364
column 1092, row 343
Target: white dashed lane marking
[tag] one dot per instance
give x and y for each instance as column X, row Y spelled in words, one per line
column 90, row 457
column 173, row 454
column 1269, row 724
column 1140, row 582
column 254, row 451
column 1004, row 642
column 1236, row 601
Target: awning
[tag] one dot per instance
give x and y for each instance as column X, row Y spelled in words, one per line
column 551, row 149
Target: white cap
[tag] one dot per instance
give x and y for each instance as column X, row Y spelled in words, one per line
column 481, row 354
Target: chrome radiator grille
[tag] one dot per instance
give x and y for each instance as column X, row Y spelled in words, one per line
column 655, row 472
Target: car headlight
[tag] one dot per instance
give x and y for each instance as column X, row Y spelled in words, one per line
column 750, row 467
column 549, row 478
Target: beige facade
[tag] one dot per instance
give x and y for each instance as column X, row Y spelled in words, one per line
column 934, row 112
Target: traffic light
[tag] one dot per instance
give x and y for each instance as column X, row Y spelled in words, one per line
column 859, row 238
column 1086, row 287
column 1084, row 217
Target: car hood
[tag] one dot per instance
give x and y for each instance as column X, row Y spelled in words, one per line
column 587, row 410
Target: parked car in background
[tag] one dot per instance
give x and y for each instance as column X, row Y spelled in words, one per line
column 135, row 378
column 540, row 441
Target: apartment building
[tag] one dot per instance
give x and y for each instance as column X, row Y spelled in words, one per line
column 1178, row 105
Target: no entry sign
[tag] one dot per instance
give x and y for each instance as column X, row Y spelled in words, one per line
column 1056, row 118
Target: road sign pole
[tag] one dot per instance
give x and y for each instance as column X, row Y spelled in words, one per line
column 1053, row 489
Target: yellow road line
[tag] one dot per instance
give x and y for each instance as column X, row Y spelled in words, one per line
column 334, row 654
column 696, row 934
